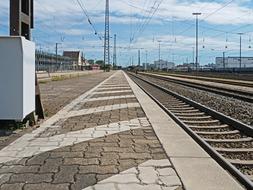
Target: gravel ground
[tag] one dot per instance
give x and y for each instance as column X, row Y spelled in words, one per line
column 234, row 108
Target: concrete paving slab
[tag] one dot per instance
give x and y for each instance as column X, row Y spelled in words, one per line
column 204, row 173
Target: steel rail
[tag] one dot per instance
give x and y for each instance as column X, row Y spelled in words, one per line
column 211, row 79
column 245, row 96
column 210, row 150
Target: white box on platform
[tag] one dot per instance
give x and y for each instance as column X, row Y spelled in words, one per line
column 17, row 78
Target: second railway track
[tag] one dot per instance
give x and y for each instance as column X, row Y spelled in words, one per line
column 240, row 95
column 227, row 140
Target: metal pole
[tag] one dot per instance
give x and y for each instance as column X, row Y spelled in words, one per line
column 159, row 54
column 115, row 52
column 240, row 61
column 224, row 60
column 197, row 39
column 107, row 36
column 146, row 60
column 139, row 58
column 193, row 55
column 56, row 52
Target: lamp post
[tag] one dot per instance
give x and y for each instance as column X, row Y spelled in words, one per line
column 240, row 59
column 197, row 38
column 159, row 52
column 56, row 53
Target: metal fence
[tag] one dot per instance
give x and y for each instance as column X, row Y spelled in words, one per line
column 51, row 63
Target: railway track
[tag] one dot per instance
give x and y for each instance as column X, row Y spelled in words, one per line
column 240, row 95
column 213, row 79
column 227, row 140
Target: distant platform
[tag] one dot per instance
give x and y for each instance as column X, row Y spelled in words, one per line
column 45, row 76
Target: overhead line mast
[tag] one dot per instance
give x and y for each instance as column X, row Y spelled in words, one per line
column 107, row 35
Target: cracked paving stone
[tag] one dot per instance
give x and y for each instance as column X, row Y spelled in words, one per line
column 14, row 186
column 38, row 160
column 148, row 175
column 4, row 178
column 118, row 150
column 138, row 187
column 17, row 169
column 126, row 164
column 170, row 180
column 172, row 188
column 159, row 156
column 109, row 186
column 81, row 161
column 66, row 154
column 66, row 174
column 101, row 177
column 166, row 171
column 51, row 165
column 30, row 178
column 135, row 156
column 46, row 186
column 122, row 178
column 97, row 169
column 83, row 180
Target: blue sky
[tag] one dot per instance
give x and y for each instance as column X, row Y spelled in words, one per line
column 173, row 24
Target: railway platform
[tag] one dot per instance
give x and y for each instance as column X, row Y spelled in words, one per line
column 111, row 137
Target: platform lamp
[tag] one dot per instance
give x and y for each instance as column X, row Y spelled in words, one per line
column 21, row 23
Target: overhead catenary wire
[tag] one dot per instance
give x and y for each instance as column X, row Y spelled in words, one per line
column 149, row 18
column 84, row 10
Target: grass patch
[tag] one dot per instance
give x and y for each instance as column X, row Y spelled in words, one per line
column 59, row 78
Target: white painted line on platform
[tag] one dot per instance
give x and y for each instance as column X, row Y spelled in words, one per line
column 115, row 88
column 28, row 145
column 112, row 92
column 108, row 98
column 112, row 86
column 101, row 109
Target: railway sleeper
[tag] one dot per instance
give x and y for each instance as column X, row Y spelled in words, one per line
column 180, row 108
column 241, row 162
column 207, row 122
column 190, row 114
column 222, row 136
column 184, row 111
column 234, row 150
column 186, row 107
column 217, row 132
column 218, row 128
column 194, row 118
column 241, row 140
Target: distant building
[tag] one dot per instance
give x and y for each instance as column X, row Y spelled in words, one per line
column 161, row 64
column 76, row 57
column 51, row 63
column 186, row 67
column 234, row 62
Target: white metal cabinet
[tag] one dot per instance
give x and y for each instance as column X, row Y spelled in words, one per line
column 17, row 78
